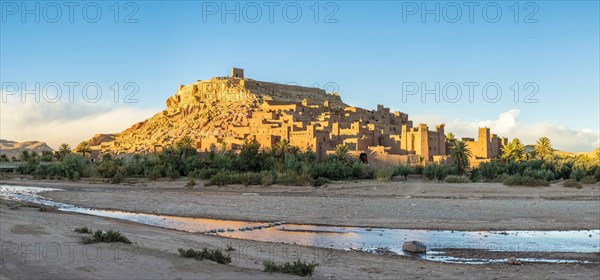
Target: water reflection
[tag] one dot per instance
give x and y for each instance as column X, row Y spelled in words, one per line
column 348, row 238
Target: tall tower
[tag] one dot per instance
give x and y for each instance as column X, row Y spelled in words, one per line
column 483, row 138
column 237, row 73
column 441, row 145
column 423, row 141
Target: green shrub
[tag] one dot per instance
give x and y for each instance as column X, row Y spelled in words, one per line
column 28, row 167
column 517, row 180
column 439, row 172
column 73, row 166
column 588, row 180
column 488, row 171
column 206, row 254
column 572, row 183
column 250, row 178
column 404, row 171
column 500, row 178
column 39, row 172
column 320, row 181
column 429, row 171
column 217, row 256
column 456, row 179
column 383, row 174
column 83, row 230
column 89, row 171
column 268, row 178
column 118, row 178
column 155, row 173
column 173, row 174
column 108, row 167
column 292, row 162
column 597, row 173
column 539, row 174
column 190, row 183
column 333, row 169
column 359, row 170
column 293, row 178
column 190, row 253
column 105, row 236
column 223, row 178
column 204, row 174
column 577, row 174
column 298, row 267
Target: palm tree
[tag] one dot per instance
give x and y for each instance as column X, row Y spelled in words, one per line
column 25, row 155
column 543, row 147
column 460, row 154
column 450, row 141
column 47, row 156
column 185, row 143
column 223, row 147
column 186, row 146
column 420, row 161
column 281, row 148
column 450, row 137
column 342, row 151
column 513, row 151
column 83, row 148
column 293, row 150
column 63, row 150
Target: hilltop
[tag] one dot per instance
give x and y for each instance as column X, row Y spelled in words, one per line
column 227, row 111
column 12, row 148
column 210, row 108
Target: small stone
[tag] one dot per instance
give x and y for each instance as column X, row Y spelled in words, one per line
column 513, row 261
column 414, row 247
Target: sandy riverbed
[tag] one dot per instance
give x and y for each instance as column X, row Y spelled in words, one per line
column 413, row 204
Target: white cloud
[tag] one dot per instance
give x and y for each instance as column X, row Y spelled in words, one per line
column 71, row 123
column 509, row 125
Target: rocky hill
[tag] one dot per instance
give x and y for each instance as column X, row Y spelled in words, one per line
column 208, row 109
column 592, row 154
column 12, row 148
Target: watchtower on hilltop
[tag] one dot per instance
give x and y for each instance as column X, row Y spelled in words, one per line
column 237, row 73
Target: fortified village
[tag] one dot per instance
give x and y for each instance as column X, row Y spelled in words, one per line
column 223, row 112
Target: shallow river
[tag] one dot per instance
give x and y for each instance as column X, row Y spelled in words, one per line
column 374, row 240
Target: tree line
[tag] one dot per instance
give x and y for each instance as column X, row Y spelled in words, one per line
column 288, row 165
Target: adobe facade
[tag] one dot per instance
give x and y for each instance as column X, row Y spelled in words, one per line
column 487, row 146
column 312, row 119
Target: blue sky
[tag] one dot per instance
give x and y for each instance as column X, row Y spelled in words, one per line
column 366, row 48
